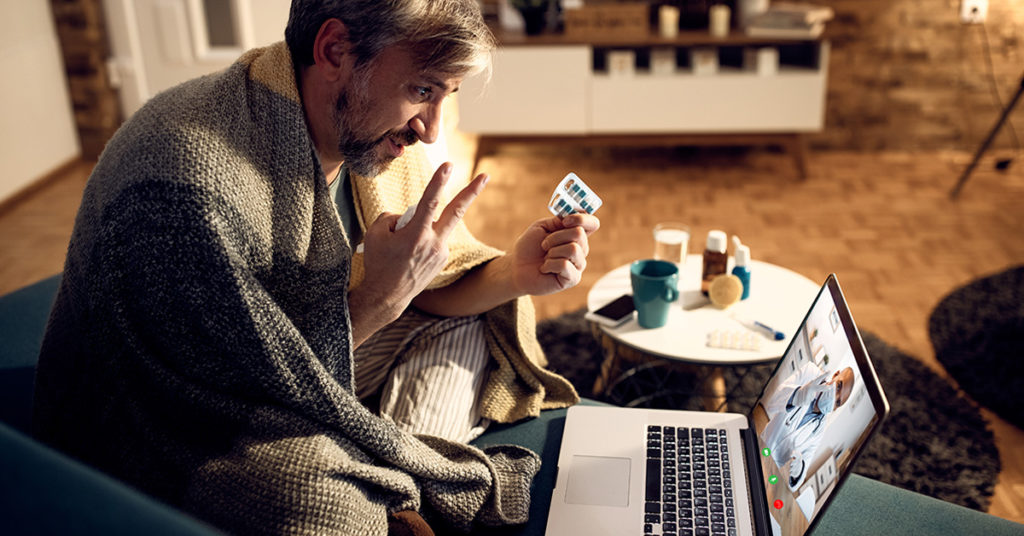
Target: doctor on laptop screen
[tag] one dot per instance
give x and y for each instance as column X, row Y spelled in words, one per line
column 810, row 419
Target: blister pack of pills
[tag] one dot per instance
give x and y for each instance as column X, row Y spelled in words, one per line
column 573, row 195
column 734, row 339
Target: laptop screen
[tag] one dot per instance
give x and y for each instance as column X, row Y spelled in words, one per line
column 815, row 413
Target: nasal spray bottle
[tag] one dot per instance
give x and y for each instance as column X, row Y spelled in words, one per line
column 741, row 268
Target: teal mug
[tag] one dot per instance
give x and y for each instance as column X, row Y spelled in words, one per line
column 655, row 286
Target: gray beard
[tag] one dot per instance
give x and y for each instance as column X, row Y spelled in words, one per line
column 360, row 153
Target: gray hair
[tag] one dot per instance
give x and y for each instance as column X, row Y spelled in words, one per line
column 447, row 36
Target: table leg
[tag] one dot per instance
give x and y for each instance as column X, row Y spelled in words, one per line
column 713, row 392
column 710, row 380
column 609, row 367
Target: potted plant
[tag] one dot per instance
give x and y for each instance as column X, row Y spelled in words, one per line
column 534, row 12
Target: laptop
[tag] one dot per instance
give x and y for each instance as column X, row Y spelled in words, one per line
column 773, row 471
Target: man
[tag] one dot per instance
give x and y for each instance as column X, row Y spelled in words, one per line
column 201, row 345
column 798, row 414
column 366, row 131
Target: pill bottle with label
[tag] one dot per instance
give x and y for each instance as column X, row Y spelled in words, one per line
column 716, row 261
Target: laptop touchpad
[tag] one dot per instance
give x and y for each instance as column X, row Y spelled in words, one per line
column 598, row 480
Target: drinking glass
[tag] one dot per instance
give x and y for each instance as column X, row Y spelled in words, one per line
column 671, row 241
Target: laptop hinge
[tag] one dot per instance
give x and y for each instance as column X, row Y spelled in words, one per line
column 758, row 499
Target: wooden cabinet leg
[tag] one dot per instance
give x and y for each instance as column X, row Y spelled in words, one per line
column 485, row 146
column 798, row 148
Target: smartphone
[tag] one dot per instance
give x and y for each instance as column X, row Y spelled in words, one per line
column 614, row 313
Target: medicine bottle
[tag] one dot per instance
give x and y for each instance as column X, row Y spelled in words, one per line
column 715, row 259
column 742, row 268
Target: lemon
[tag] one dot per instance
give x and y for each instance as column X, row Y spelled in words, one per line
column 725, row 290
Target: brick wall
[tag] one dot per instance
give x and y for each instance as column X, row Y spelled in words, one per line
column 83, row 39
column 906, row 74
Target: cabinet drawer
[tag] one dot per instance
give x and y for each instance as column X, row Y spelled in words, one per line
column 791, row 101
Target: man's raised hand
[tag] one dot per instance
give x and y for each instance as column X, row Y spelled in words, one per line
column 400, row 263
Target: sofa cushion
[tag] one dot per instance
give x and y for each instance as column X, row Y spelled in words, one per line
column 45, row 492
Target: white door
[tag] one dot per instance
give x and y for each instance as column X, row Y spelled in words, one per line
column 157, row 44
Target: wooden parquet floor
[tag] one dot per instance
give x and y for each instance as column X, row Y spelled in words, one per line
column 882, row 221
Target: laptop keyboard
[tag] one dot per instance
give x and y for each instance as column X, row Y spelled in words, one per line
column 689, row 482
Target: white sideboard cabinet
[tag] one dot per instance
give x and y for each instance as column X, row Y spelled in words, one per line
column 691, row 90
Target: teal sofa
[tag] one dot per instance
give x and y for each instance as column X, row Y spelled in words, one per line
column 43, row 492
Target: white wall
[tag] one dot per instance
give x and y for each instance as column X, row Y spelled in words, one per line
column 37, row 130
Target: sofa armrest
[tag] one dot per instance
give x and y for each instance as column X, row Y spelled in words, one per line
column 867, row 507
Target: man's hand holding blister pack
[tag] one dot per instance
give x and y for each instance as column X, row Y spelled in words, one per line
column 549, row 256
column 552, row 253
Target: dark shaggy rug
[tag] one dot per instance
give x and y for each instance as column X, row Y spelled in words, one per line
column 934, row 442
column 978, row 335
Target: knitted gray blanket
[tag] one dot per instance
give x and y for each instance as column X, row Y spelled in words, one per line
column 199, row 347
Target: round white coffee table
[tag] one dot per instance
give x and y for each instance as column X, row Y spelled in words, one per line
column 779, row 298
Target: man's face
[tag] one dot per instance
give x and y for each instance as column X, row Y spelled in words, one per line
column 388, row 104
column 843, row 380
